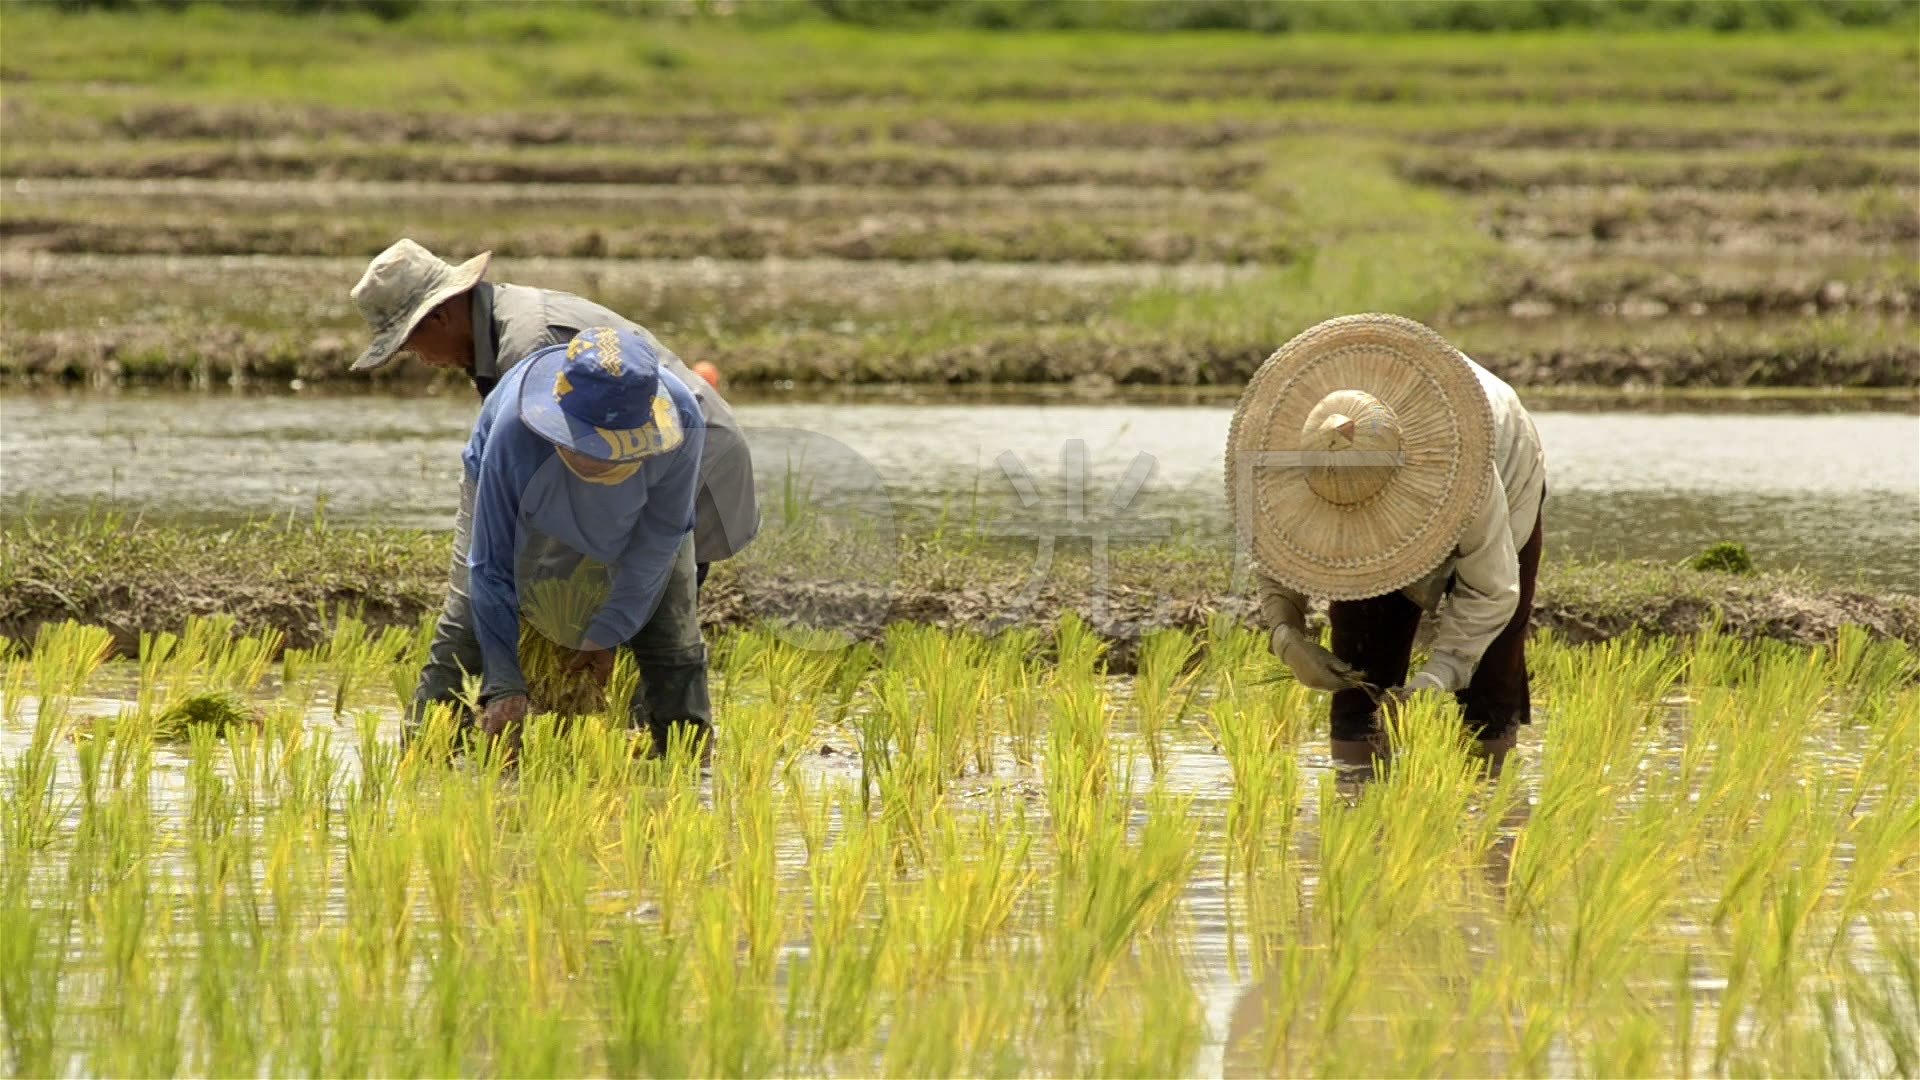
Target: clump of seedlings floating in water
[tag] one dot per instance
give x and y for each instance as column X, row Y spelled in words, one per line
column 1704, row 859
column 219, row 712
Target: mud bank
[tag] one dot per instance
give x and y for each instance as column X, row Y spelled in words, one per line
column 135, row 578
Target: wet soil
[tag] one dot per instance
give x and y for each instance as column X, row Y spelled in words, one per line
column 398, row 577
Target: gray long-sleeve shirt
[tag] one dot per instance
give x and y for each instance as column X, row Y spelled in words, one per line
column 511, row 322
column 1485, row 565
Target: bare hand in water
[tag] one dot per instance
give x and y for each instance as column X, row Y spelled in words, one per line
column 594, row 660
column 504, row 715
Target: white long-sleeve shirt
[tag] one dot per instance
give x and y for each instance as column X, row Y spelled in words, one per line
column 1485, row 564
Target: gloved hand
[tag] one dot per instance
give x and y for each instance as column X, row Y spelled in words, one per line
column 1396, row 698
column 1313, row 666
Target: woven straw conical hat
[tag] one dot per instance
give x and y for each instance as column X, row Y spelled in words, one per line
column 1358, row 456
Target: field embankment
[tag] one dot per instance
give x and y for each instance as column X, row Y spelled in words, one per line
column 133, row 577
column 188, row 199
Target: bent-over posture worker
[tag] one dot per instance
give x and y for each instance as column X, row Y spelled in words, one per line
column 1373, row 464
column 590, row 451
column 451, row 318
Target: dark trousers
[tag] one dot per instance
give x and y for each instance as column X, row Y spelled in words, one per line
column 1376, row 636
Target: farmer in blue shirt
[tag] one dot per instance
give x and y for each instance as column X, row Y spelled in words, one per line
column 586, row 457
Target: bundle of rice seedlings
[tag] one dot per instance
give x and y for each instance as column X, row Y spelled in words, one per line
column 220, row 710
column 553, row 611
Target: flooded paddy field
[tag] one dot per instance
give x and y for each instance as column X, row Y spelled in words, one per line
column 1836, row 493
column 951, row 828
column 961, row 854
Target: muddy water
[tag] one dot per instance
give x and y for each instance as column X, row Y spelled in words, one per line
column 1837, row 493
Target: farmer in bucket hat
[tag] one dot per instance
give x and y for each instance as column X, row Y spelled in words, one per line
column 589, row 452
column 1373, row 464
column 451, row 318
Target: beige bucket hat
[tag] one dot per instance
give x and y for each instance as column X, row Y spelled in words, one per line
column 1358, row 456
column 402, row 284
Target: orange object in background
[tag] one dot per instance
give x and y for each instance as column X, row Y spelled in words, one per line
column 708, row 372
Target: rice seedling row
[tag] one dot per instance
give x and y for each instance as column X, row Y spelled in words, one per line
column 956, row 853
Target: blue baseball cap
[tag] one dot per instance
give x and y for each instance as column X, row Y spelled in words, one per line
column 600, row 395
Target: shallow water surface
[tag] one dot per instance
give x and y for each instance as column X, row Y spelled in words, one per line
column 1837, row 493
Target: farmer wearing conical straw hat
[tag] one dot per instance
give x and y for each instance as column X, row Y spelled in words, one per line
column 1372, row 464
column 451, row 317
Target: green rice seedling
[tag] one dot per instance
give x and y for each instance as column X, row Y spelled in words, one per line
column 1156, row 1028
column 32, row 805
column 1887, row 995
column 759, row 912
column 1117, row 889
column 222, row 712
column 977, row 875
column 240, row 667
column 795, row 678
column 1079, row 650
column 647, row 1031
column 538, row 1038
column 763, row 743
column 939, row 706
column 908, row 784
column 13, row 680
column 210, row 653
column 33, row 951
column 65, row 656
column 734, row 1021
column 1079, row 766
column 156, row 650
column 1257, row 734
column 1235, row 655
column 1884, row 830
column 981, row 1025
column 832, row 996
column 1720, row 882
column 1011, row 671
column 1604, row 699
column 730, row 659
column 852, row 666
column 1715, row 658
column 683, row 848
column 804, row 688
column 1867, row 669
column 554, row 611
column 1162, row 688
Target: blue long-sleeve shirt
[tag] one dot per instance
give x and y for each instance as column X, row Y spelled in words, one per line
column 524, row 492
